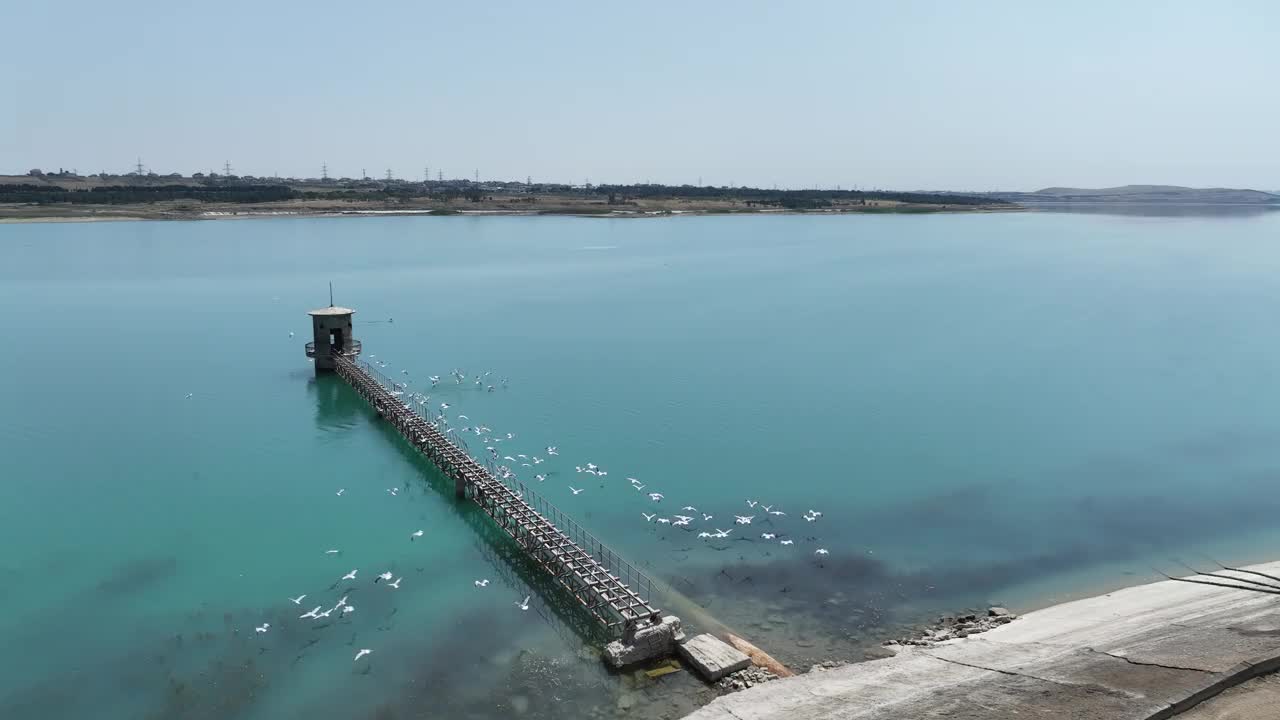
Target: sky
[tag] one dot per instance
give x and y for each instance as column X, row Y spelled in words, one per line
column 895, row 95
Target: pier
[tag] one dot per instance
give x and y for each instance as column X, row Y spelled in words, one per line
column 611, row 591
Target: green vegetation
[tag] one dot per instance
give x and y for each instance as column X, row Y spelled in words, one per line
column 133, row 194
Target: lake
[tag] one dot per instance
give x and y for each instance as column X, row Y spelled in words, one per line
column 985, row 408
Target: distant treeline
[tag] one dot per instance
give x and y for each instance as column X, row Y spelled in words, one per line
column 134, row 194
column 783, row 198
column 240, row 192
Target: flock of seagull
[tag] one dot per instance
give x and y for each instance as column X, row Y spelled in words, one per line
column 504, row 466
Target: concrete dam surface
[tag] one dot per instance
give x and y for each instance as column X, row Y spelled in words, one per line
column 1142, row 653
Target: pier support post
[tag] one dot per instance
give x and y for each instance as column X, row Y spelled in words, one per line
column 646, row 642
column 460, row 486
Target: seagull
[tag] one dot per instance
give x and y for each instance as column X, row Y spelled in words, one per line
column 704, row 534
column 815, row 513
column 395, row 584
column 638, row 487
column 346, row 609
column 351, row 575
column 482, row 583
column 524, row 605
column 779, row 513
column 290, row 333
column 768, row 536
column 553, row 450
column 511, row 436
column 706, row 517
column 656, row 497
column 576, row 490
column 444, row 406
column 767, row 508
column 404, row 372
column 522, row 456
column 820, row 551
column 664, row 521
column 649, row 516
column 363, row 652
column 684, row 518
column 190, row 395
column 592, row 466
column 786, row 542
column 689, row 508
column 723, row 533
column 297, row 600
column 414, row 536
column 332, row 552
column 310, row 613
column 265, row 626
column 752, row 503
column 743, row 519
column 342, row 602
column 384, row 576
column 340, row 491
column 324, row 614
column 539, row 478
column 508, row 458
column 393, row 491
column 463, row 417
column 633, row 481
column 680, row 522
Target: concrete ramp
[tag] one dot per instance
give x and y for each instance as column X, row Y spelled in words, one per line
column 1143, row 653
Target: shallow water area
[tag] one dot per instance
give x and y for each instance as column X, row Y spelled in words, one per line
column 1005, row 408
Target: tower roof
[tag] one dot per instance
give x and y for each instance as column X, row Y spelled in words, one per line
column 332, row 310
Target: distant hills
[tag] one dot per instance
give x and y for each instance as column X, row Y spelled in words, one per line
column 1167, row 194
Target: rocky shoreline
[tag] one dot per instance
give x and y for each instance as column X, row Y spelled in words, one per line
column 951, row 627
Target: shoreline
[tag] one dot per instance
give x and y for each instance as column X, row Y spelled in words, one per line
column 125, row 213
column 1145, row 652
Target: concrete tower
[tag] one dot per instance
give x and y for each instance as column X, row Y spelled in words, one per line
column 331, row 333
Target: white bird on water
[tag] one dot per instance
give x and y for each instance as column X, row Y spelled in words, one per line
column 576, row 490
column 363, row 652
column 768, row 536
column 265, row 626
column 482, row 583
column 298, row 600
column 820, row 551
column 346, row 609
column 786, row 542
column 351, row 575
column 524, row 605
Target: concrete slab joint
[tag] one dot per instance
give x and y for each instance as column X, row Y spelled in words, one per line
column 646, row 643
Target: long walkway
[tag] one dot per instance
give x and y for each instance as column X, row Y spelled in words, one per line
column 609, row 588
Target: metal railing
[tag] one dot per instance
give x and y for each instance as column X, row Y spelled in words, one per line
column 352, row 349
column 627, row 573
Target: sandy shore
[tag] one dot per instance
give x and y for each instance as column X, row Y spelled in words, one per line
column 1142, row 653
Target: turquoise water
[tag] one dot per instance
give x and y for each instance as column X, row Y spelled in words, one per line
column 984, row 408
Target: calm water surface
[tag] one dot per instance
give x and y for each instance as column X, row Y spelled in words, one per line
column 1011, row 408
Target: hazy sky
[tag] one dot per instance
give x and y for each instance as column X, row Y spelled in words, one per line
column 954, row 95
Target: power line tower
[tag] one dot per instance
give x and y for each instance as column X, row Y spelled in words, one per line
column 426, row 174
column 226, row 168
column 364, row 174
column 528, row 180
column 139, row 166
column 389, row 175
column 324, row 171
column 439, row 176
column 477, row 176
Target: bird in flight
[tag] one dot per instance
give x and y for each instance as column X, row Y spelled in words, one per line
column 262, row 628
column 395, row 584
column 524, row 605
column 332, row 552
column 340, row 491
column 350, row 576
column 298, row 600
column 416, row 535
column 362, row 653
column 384, row 576
column 649, row 516
column 482, row 583
column 821, row 551
column 312, row 613
column 576, row 490
column 656, row 496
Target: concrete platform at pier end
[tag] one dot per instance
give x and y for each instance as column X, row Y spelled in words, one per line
column 1143, row 653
